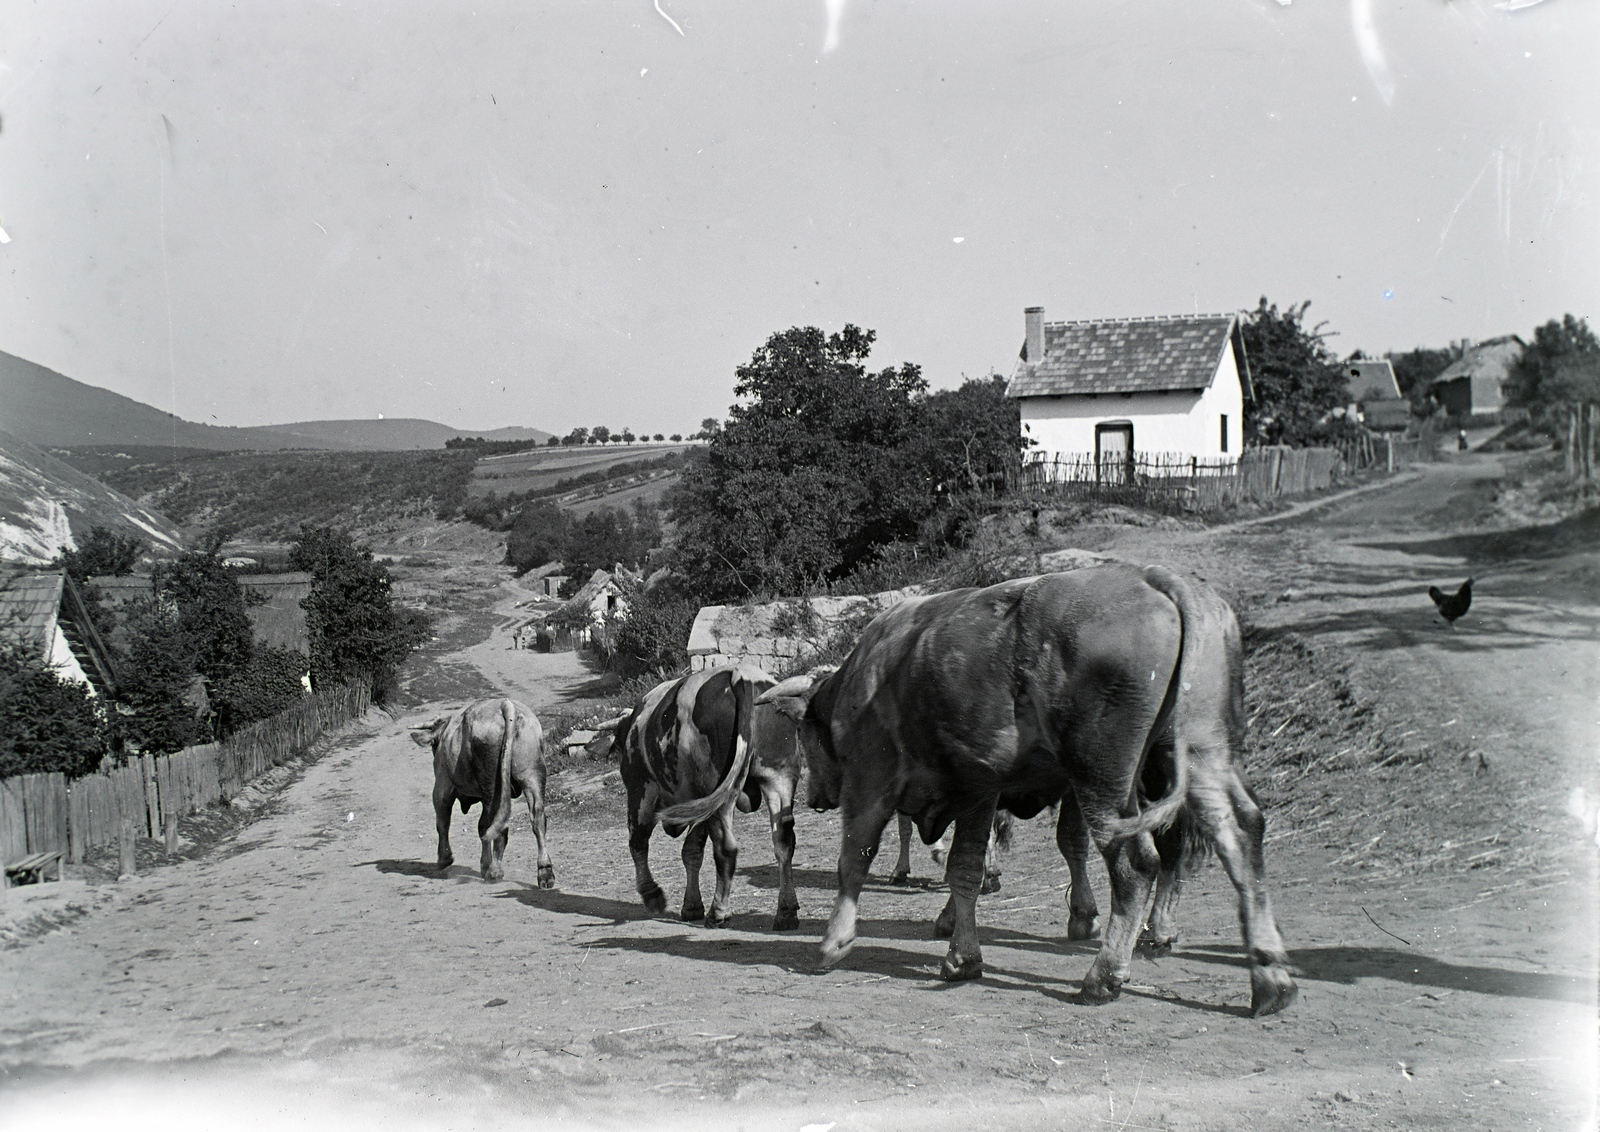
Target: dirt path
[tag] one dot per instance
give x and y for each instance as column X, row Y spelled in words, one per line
column 1440, row 911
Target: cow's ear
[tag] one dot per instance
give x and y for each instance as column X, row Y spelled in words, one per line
column 423, row 736
column 600, row 746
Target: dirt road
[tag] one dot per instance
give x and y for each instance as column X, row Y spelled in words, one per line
column 1440, row 910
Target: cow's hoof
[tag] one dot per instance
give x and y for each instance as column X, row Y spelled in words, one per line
column 494, row 873
column 957, row 968
column 1271, row 990
column 693, row 913
column 547, row 877
column 1081, row 927
column 1097, row 991
column 991, row 883
column 715, row 921
column 787, row 920
column 945, row 926
column 655, row 902
column 835, row 950
column 900, row 877
column 445, row 862
column 1152, row 944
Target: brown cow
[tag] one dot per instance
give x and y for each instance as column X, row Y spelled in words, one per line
column 693, row 751
column 1065, row 684
column 490, row 751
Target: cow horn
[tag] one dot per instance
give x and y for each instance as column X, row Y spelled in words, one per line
column 794, row 688
column 613, row 724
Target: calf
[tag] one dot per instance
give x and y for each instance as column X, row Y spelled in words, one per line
column 490, row 751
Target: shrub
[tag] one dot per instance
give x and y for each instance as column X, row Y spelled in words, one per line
column 154, row 711
column 47, row 724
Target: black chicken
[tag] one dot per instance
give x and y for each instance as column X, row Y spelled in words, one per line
column 1453, row 605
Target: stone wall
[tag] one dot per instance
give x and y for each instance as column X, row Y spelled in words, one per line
column 778, row 636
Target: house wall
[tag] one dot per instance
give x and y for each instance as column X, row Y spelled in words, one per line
column 1189, row 423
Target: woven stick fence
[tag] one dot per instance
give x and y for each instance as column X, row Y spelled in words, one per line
column 1175, row 482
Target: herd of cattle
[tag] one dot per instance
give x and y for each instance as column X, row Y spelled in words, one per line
column 1114, row 694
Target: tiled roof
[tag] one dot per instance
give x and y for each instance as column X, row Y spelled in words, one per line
column 1126, row 355
column 30, row 602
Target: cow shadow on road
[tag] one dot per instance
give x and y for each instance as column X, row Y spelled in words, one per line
column 1346, row 965
column 618, row 912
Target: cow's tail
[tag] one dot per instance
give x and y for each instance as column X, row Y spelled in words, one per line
column 689, row 814
column 502, row 776
column 1159, row 813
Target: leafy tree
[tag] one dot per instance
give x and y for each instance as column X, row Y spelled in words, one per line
column 1297, row 379
column 708, row 428
column 47, row 724
column 677, row 436
column 809, row 474
column 599, row 434
column 211, row 611
column 1560, row 367
column 576, row 436
column 627, row 436
column 354, row 628
column 653, row 635
column 971, row 437
column 605, row 537
column 103, row 552
column 658, row 436
column 270, row 684
column 553, row 442
column 537, row 536
column 154, row 711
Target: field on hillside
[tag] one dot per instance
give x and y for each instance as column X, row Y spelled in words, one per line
column 542, row 469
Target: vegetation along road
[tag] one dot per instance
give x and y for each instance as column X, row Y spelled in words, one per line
column 1436, row 897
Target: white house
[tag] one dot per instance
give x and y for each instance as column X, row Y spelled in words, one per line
column 1111, row 387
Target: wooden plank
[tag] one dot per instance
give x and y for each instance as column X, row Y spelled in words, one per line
column 152, row 805
column 13, row 820
column 56, row 804
column 78, row 820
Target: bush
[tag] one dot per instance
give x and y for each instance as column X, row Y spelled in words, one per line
column 154, row 712
column 653, row 636
column 269, row 685
column 47, row 724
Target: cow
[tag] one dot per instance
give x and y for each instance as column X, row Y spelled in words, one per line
column 999, row 838
column 1052, row 686
column 694, row 750
column 490, row 751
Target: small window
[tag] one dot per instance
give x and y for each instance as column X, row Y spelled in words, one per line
column 1224, row 432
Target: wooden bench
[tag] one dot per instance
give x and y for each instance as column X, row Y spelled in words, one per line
column 31, row 869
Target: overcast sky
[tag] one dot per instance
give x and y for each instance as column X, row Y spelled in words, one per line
column 583, row 213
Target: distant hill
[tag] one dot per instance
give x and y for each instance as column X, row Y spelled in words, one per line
column 46, row 505
column 54, row 411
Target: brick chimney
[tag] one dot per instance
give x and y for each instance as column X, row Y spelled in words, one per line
column 1034, row 317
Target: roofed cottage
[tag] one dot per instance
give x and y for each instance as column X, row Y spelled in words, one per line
column 1112, row 387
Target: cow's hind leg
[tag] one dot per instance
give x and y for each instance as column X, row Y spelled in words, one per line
column 991, row 856
column 1072, row 838
column 964, row 871
column 1132, row 863
column 1233, row 821
column 902, row 866
column 1161, row 932
column 861, row 830
column 641, row 824
column 534, row 794
column 780, row 808
column 725, row 855
column 443, row 798
column 494, row 836
column 694, row 855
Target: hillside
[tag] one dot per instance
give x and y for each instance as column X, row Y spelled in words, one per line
column 55, row 411
column 46, row 505
column 270, row 495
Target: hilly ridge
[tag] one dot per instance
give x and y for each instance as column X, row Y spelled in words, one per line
column 55, row 411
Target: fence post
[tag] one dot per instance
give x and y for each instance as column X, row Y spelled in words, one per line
column 127, row 864
column 152, row 803
column 170, row 834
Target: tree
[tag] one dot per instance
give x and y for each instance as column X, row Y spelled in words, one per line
column 155, row 712
column 599, row 434
column 537, row 535
column 659, row 437
column 211, row 611
column 809, row 474
column 709, row 427
column 1560, row 367
column 1296, row 378
column 103, row 552
column 552, row 442
column 47, row 724
column 576, row 436
column 605, row 537
column 626, row 435
column 355, row 630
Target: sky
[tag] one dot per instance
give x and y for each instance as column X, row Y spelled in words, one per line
column 570, row 214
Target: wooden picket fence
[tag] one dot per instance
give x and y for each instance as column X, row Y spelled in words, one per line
column 47, row 813
column 1176, row 482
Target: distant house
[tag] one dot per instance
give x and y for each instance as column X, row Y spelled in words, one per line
column 42, row 611
column 1476, row 382
column 1376, row 394
column 1113, row 387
